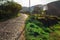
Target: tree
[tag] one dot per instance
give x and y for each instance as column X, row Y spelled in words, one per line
column 37, row 10
column 9, row 9
column 4, row 1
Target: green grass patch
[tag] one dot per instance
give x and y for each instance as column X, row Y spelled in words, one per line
column 35, row 30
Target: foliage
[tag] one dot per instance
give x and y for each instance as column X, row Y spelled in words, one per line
column 36, row 30
column 9, row 9
column 37, row 10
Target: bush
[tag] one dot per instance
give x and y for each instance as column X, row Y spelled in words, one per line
column 9, row 10
column 36, row 30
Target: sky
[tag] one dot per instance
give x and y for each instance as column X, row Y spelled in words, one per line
column 33, row 2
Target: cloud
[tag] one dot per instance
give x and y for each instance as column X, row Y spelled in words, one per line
column 33, row 2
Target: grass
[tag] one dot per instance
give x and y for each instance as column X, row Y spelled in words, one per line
column 35, row 30
column 57, row 28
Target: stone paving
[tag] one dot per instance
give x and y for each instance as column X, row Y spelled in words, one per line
column 11, row 29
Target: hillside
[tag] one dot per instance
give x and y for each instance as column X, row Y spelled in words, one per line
column 26, row 9
column 53, row 8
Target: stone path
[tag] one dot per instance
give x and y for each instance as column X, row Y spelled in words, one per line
column 12, row 29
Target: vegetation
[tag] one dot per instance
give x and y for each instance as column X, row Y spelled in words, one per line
column 44, row 24
column 38, row 30
column 37, row 9
column 9, row 10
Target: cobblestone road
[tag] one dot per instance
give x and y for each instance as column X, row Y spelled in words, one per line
column 11, row 29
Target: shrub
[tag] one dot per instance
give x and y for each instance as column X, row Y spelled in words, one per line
column 9, row 10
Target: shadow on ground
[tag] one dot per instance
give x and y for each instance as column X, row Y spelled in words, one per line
column 49, row 22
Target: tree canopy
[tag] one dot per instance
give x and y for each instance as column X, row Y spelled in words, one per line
column 9, row 9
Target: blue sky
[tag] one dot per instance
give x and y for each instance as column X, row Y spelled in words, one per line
column 33, row 2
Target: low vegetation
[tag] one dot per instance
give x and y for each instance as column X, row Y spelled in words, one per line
column 42, row 29
column 9, row 10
